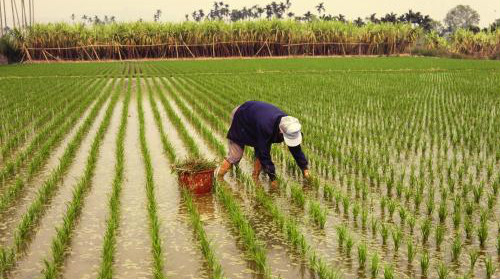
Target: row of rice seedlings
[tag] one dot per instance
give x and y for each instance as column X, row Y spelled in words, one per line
column 205, row 133
column 13, row 166
column 253, row 245
column 291, row 231
column 177, row 122
column 201, row 235
column 14, row 190
column 299, row 198
column 289, row 227
column 62, row 239
column 168, row 149
column 30, row 219
column 113, row 221
column 23, row 116
column 154, row 221
column 57, row 101
column 205, row 245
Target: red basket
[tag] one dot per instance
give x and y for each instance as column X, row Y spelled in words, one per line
column 197, row 182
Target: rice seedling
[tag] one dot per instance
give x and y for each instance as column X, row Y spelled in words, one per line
column 298, row 195
column 349, row 243
column 439, row 235
column 411, row 252
column 317, row 213
column 456, row 248
column 490, row 267
column 364, row 217
column 482, row 233
column 362, row 255
column 411, row 222
column 443, row 212
column 355, row 212
column 457, row 218
column 375, row 265
column 341, row 234
column 469, row 228
column 478, row 193
column 424, row 264
column 397, row 236
column 473, row 256
column 442, row 271
column 374, row 225
column 425, row 228
column 384, row 232
column 388, row 272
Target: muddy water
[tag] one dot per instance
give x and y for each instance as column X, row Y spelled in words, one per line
column 182, row 257
column 281, row 259
column 133, row 251
column 31, row 264
column 84, row 255
column 12, row 216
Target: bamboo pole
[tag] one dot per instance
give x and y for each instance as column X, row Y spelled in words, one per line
column 188, row 49
column 269, row 50
column 4, row 13
column 13, row 14
column 1, row 20
column 23, row 14
column 17, row 14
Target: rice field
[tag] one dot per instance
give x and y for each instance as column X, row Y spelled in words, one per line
column 404, row 152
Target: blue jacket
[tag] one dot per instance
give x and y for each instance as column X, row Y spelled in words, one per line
column 256, row 124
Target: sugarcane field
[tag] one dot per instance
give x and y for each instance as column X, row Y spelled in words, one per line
column 249, row 142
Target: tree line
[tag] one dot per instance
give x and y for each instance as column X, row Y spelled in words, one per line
column 461, row 16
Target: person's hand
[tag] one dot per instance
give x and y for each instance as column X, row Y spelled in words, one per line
column 274, row 183
column 307, row 175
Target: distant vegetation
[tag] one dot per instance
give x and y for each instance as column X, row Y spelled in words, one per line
column 269, row 30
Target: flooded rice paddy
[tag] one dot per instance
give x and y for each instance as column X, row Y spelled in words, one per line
column 420, row 205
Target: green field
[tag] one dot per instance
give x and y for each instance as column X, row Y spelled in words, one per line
column 404, row 151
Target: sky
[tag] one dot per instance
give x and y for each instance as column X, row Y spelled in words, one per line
column 174, row 10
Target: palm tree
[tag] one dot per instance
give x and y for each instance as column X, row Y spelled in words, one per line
column 320, row 8
column 308, row 16
column 359, row 22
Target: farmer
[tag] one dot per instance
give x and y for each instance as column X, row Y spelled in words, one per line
column 259, row 125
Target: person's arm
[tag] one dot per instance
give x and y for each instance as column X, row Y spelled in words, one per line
column 299, row 157
column 263, row 153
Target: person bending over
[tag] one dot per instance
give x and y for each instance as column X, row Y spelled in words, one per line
column 259, row 124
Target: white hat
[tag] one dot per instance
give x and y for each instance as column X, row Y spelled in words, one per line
column 290, row 127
